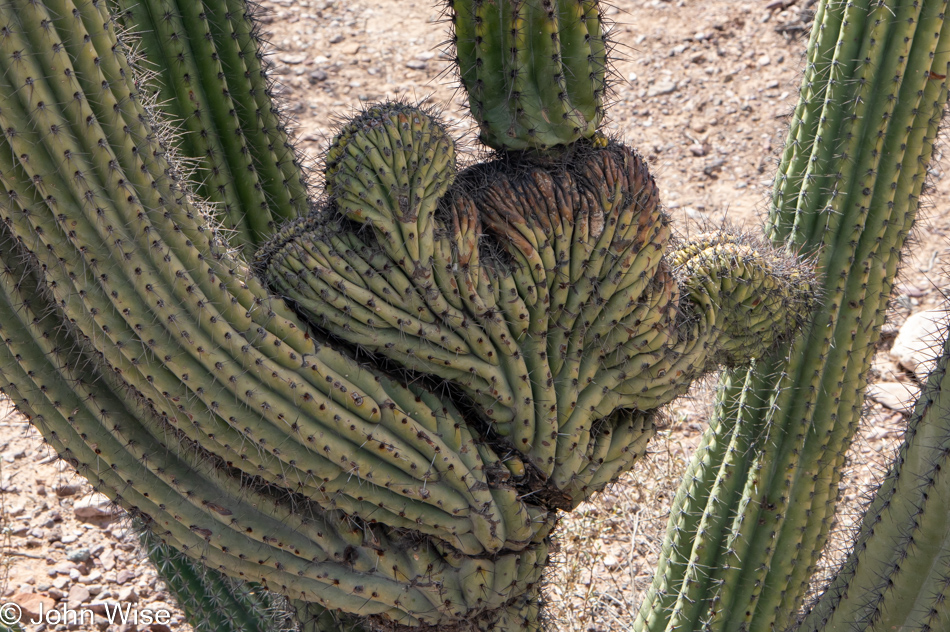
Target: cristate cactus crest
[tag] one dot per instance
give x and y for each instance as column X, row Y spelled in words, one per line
column 542, row 295
column 381, row 418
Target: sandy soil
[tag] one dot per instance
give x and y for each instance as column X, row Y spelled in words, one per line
column 703, row 88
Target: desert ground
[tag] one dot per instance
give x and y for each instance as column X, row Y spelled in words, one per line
column 703, row 89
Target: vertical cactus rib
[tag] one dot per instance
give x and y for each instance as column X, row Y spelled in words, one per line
column 211, row 601
column 896, row 576
column 204, row 82
column 858, row 146
column 535, row 70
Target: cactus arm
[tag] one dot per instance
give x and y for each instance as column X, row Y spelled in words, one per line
column 857, row 227
column 896, row 575
column 534, row 70
column 913, row 173
column 788, row 179
column 251, row 174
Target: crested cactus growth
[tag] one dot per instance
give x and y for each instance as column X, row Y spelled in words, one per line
column 382, row 416
column 540, row 293
column 535, row 70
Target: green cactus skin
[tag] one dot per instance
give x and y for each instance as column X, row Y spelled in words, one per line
column 213, row 602
column 152, row 359
column 897, row 575
column 534, row 70
column 273, row 449
column 209, row 77
column 756, row 504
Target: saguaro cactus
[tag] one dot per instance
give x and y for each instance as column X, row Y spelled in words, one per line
column 273, row 449
column 381, row 415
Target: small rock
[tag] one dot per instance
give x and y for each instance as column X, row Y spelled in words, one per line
column 78, row 595
column 611, row 562
column 55, row 593
column 764, row 60
column 94, row 507
column 30, row 604
column 66, row 489
column 108, row 560
column 292, row 59
column 898, row 396
column 61, row 581
column 714, row 167
column 416, row 64
column 128, row 594
column 919, row 342
column 317, row 75
column 124, row 576
column 698, row 150
column 426, row 56
column 661, row 87
column 336, row 39
column 12, row 455
column 99, row 605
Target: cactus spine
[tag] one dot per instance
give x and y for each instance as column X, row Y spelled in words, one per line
column 757, row 502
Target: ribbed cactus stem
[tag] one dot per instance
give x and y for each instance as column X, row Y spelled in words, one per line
column 535, row 70
column 847, row 190
column 210, row 83
column 897, row 576
column 212, row 601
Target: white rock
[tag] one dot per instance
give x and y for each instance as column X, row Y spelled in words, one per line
column 919, row 342
column 292, row 59
column 898, row 396
column 661, row 88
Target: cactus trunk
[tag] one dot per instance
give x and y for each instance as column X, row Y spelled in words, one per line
column 757, row 502
column 210, row 79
